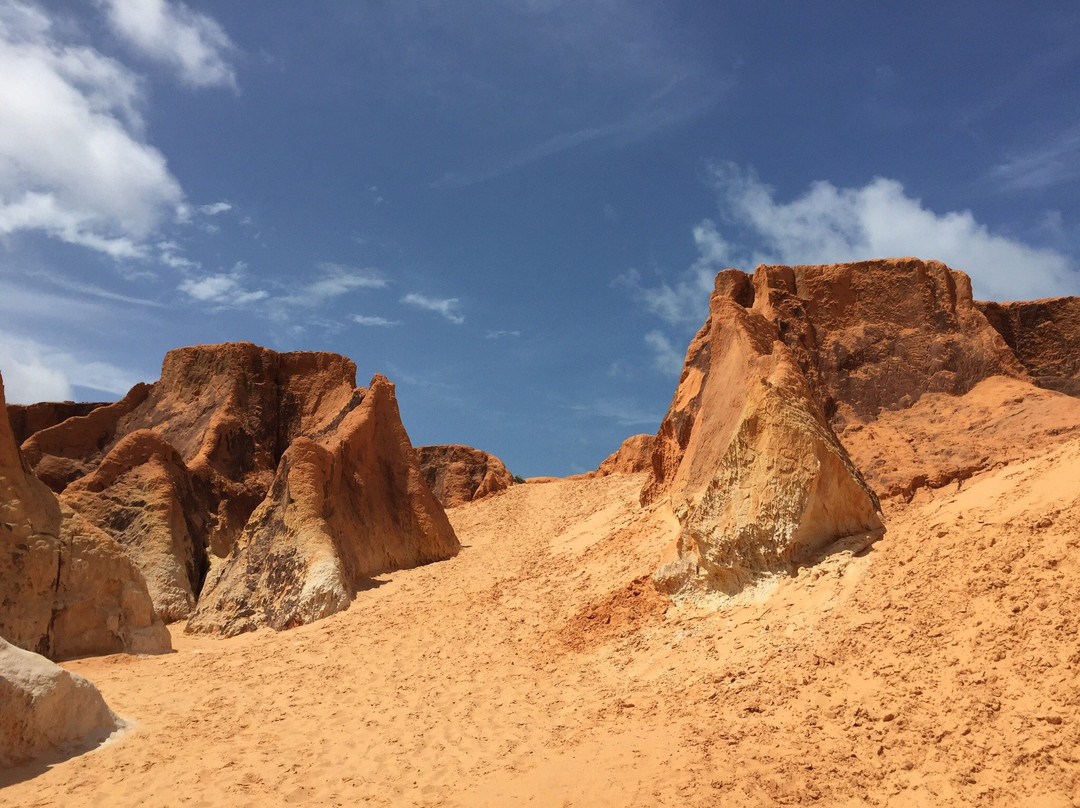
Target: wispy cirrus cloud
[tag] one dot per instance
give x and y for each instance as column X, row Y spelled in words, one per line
column 336, row 280
column 167, row 31
column 447, row 307
column 1054, row 162
column 223, row 290
column 371, row 320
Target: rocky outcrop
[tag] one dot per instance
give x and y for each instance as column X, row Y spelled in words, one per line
column 26, row 419
column 343, row 506
column 66, row 588
column 1045, row 336
column 745, row 456
column 875, row 335
column 143, row 495
column 45, row 707
column 229, row 410
column 633, row 456
column 459, row 474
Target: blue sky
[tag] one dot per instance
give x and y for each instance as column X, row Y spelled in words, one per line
column 514, row 210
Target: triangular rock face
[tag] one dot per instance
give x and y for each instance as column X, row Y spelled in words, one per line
column 458, row 474
column 143, row 495
column 45, row 706
column 66, row 588
column 342, row 507
column 633, row 456
column 751, row 468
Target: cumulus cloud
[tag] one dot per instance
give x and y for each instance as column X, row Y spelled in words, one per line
column 448, row 307
column 224, row 290
column 827, row 224
column 74, row 163
column 369, row 320
column 190, row 42
column 35, row 372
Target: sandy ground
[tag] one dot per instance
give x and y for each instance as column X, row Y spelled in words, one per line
column 939, row 667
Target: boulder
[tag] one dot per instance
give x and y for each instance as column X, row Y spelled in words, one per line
column 1045, row 336
column 459, row 474
column 66, row 588
column 45, row 707
column 753, row 472
column 344, row 505
column 144, row 496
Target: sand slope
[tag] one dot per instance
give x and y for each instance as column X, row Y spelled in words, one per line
column 936, row 668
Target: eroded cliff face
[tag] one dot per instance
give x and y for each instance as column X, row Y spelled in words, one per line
column 746, row 459
column 299, row 483
column 343, row 507
column 66, row 588
column 800, row 369
column 457, row 474
column 1045, row 336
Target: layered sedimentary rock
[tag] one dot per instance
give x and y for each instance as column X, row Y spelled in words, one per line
column 342, row 507
column 634, row 455
column 66, row 588
column 143, row 495
column 1045, row 336
column 458, row 474
column 45, row 706
column 745, row 456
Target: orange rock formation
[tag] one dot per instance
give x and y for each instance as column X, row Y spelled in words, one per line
column 458, row 474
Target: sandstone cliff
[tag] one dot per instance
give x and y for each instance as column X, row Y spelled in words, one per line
column 342, row 507
column 66, row 588
column 634, row 455
column 753, row 472
column 26, row 419
column 459, row 474
column 274, row 462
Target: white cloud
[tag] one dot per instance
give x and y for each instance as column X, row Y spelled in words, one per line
column 687, row 302
column 73, row 160
column 194, row 44
column 666, row 357
column 446, row 307
column 35, row 372
column 215, row 208
column 501, row 334
column 337, row 280
column 223, row 290
column 829, row 224
column 365, row 319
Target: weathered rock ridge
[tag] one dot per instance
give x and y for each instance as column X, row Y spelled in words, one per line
column 45, row 706
column 798, row 366
column 458, row 474
column 342, row 508
column 26, row 419
column 276, row 463
column 753, row 472
column 633, row 456
column 66, row 588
